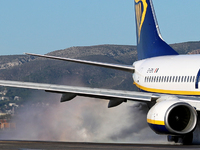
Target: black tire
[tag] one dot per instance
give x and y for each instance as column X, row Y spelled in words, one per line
column 172, row 138
column 187, row 139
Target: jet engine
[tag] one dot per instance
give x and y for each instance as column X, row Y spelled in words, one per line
column 172, row 116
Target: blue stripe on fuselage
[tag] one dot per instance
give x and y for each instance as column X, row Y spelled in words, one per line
column 160, row 129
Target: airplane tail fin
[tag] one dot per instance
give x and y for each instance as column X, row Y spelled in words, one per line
column 149, row 40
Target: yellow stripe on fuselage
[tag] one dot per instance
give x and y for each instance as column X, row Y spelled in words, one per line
column 167, row 91
column 155, row 122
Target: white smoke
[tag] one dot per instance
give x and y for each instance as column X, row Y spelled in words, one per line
column 83, row 120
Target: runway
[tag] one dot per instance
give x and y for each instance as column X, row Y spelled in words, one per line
column 34, row 145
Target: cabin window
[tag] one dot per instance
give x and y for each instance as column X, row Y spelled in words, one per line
column 152, row 79
column 193, row 78
column 185, row 78
column 176, row 79
column 170, row 78
column 167, row 78
column 182, row 79
column 155, row 79
column 173, row 78
column 160, row 79
column 190, row 78
column 179, row 78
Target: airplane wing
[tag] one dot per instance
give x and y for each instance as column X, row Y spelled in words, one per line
column 70, row 92
column 116, row 97
column 128, row 68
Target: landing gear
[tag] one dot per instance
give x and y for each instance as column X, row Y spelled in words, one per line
column 172, row 138
column 185, row 139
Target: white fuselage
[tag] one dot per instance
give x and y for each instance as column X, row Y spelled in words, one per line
column 177, row 74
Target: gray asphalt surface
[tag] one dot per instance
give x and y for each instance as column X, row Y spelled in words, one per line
column 31, row 145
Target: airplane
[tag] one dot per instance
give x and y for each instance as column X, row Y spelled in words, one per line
column 168, row 82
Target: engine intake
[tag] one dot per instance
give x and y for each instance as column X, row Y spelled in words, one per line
column 181, row 118
column 173, row 117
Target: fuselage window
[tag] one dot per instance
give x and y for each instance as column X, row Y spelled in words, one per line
column 155, row 79
column 179, row 78
column 185, row 78
column 193, row 78
column 159, row 78
column 173, row 78
column 170, row 78
column 162, row 79
column 167, row 78
column 149, row 80
column 182, row 79
column 152, row 79
column 176, row 79
column 190, row 78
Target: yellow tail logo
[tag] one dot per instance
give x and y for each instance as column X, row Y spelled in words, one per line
column 140, row 10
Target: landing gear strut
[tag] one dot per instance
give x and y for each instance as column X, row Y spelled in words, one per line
column 185, row 139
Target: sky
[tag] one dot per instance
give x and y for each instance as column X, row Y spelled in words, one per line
column 42, row 26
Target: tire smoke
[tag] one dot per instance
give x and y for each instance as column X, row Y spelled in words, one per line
column 82, row 120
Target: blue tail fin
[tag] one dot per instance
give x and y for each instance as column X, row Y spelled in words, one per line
column 149, row 40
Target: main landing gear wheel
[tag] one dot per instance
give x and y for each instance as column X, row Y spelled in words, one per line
column 172, row 138
column 185, row 139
